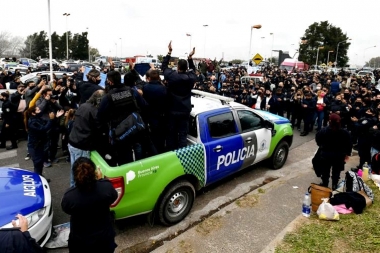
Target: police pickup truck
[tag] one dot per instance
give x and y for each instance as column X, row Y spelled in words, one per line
column 224, row 137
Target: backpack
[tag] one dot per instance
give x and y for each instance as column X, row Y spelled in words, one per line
column 128, row 130
column 354, row 183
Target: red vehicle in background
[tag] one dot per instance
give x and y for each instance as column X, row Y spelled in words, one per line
column 291, row 65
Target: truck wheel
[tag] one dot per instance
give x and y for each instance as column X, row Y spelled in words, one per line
column 279, row 155
column 176, row 203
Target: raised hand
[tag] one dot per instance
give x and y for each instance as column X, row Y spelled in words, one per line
column 192, row 52
column 170, row 46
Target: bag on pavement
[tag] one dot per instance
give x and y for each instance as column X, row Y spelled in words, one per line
column 326, row 211
column 354, row 183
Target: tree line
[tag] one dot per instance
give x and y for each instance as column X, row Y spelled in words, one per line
column 36, row 46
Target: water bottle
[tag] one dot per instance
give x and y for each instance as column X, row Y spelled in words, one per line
column 365, row 172
column 306, row 205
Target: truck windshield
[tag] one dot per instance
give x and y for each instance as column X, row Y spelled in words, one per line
column 288, row 68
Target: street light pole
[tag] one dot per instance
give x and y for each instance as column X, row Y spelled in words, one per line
column 262, row 39
column 316, row 61
column 364, row 53
column 271, row 51
column 121, row 47
column 50, row 45
column 204, row 47
column 67, row 36
column 250, row 40
column 89, row 55
column 328, row 56
column 337, row 51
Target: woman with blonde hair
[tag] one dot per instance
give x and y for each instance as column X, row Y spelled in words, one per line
column 320, row 108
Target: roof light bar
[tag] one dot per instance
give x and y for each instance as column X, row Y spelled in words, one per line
column 209, row 95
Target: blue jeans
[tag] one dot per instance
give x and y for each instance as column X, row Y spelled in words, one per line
column 75, row 153
column 320, row 115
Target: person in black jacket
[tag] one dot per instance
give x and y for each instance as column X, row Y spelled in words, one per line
column 37, row 136
column 86, row 89
column 179, row 85
column 308, row 105
column 8, row 129
column 88, row 204
column 116, row 106
column 18, row 239
column 86, row 133
column 336, row 146
column 155, row 94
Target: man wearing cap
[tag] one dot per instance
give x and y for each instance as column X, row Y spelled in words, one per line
column 9, row 119
column 86, row 89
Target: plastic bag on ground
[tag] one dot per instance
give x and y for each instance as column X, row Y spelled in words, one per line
column 326, row 211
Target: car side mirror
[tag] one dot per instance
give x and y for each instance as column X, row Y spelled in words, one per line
column 268, row 125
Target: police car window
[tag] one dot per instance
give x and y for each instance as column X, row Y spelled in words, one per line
column 222, row 125
column 249, row 121
column 193, row 127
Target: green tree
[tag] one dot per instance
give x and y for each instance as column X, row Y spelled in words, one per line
column 160, row 57
column 324, row 35
column 79, row 46
column 41, row 45
column 373, row 62
column 236, row 61
column 94, row 52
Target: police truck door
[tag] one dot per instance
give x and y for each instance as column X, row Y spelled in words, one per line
column 223, row 145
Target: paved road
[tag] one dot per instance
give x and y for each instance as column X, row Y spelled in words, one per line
column 136, row 230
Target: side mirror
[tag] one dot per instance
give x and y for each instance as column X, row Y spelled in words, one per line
column 268, row 125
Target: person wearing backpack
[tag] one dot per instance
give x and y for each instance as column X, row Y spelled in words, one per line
column 114, row 108
column 336, row 146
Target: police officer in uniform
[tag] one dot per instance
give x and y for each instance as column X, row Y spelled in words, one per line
column 116, row 106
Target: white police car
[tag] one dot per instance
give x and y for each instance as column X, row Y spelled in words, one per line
column 27, row 193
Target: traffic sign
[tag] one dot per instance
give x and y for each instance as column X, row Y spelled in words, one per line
column 257, row 59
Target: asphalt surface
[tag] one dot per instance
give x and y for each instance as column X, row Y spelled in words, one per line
column 136, row 234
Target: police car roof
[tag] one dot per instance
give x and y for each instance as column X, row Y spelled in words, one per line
column 208, row 102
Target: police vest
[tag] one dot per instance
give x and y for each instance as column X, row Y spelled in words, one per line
column 123, row 104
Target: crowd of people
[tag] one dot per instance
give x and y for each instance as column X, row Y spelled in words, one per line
column 306, row 99
column 82, row 115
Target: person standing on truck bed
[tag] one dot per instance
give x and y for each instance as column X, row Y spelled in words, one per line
column 179, row 85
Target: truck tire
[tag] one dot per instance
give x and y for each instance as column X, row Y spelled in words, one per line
column 279, row 155
column 176, row 203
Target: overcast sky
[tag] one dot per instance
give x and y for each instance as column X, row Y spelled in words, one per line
column 147, row 26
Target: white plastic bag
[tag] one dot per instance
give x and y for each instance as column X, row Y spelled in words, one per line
column 326, row 211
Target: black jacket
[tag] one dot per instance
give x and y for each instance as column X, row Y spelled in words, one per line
column 9, row 112
column 86, row 128
column 37, row 131
column 12, row 240
column 91, row 227
column 156, row 96
column 334, row 144
column 85, row 89
column 179, row 86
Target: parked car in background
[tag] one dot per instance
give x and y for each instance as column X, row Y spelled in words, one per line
column 26, row 193
column 29, row 62
column 367, row 73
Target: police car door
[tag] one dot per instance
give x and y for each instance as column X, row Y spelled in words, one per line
column 256, row 138
column 222, row 146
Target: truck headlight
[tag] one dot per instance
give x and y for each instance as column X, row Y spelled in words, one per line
column 34, row 217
